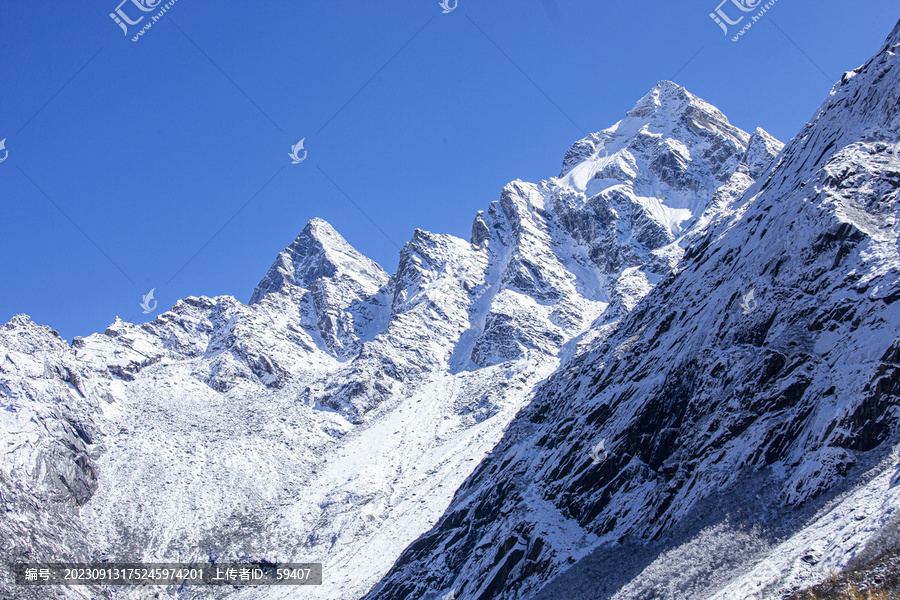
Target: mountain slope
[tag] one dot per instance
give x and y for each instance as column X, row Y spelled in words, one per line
column 751, row 439
column 332, row 418
column 51, row 445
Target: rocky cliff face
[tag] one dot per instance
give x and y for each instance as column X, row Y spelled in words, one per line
column 748, row 405
column 332, row 418
column 551, row 266
column 51, row 446
column 336, row 286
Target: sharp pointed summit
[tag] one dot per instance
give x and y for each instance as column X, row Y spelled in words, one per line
column 319, row 252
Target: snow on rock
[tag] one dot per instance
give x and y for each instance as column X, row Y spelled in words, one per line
column 336, row 285
column 51, row 443
column 333, row 418
column 752, row 437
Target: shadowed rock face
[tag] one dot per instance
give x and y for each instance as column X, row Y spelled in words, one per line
column 703, row 389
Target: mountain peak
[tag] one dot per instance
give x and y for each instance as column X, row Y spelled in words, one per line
column 664, row 98
column 318, row 252
column 668, row 109
column 319, row 227
column 668, row 102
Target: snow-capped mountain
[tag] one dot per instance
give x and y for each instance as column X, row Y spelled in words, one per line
column 747, row 406
column 333, row 417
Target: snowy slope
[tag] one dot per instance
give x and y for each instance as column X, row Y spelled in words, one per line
column 50, row 448
column 333, row 417
column 752, row 439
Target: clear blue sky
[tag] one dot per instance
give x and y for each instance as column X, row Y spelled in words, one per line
column 152, row 148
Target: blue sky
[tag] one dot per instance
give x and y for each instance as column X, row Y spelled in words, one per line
column 164, row 164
